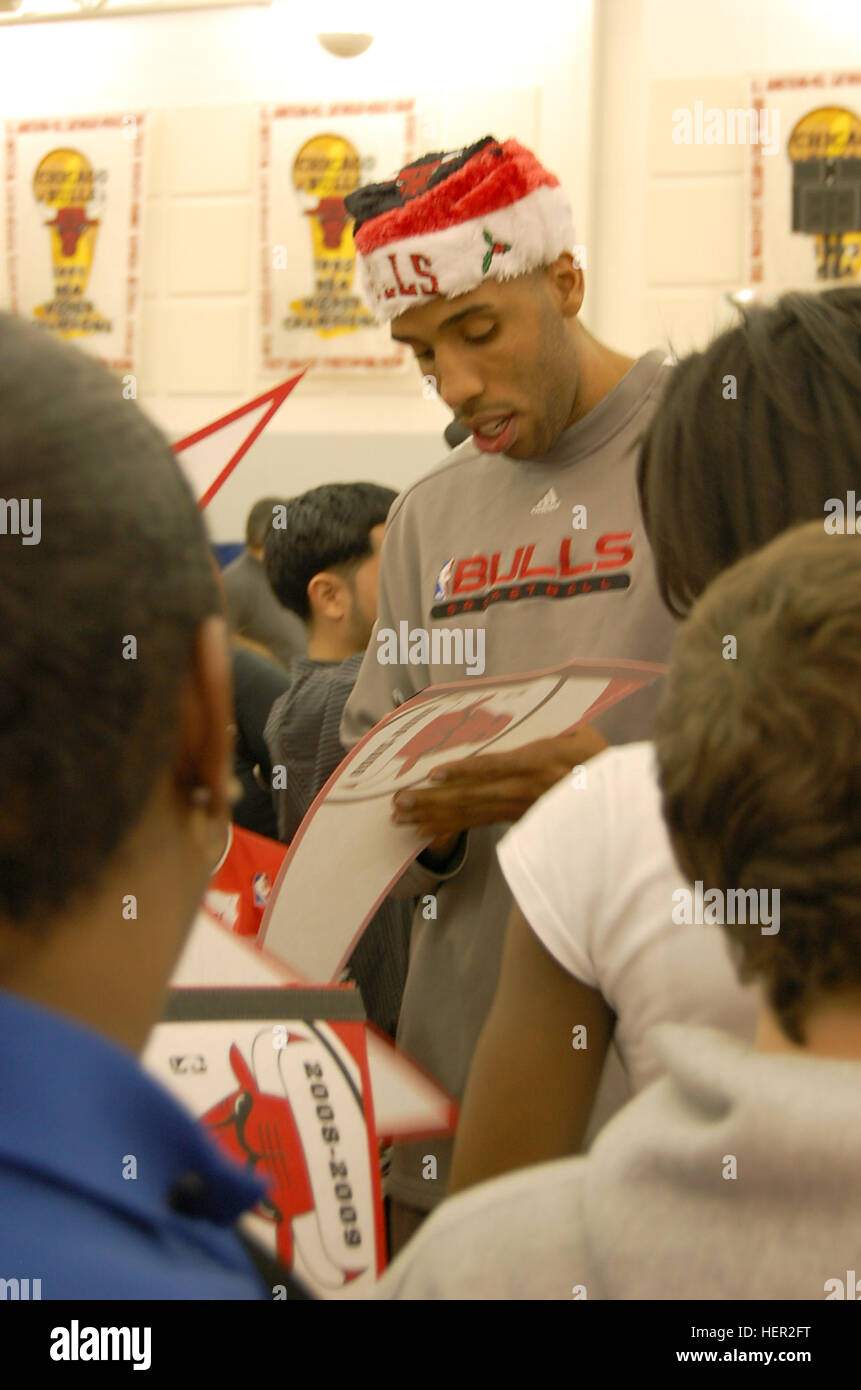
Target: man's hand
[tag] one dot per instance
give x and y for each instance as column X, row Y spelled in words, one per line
column 493, row 787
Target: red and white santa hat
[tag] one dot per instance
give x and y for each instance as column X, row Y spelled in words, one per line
column 450, row 221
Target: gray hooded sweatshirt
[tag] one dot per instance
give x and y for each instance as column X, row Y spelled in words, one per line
column 736, row 1176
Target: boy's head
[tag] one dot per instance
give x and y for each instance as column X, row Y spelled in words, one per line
column 324, row 562
column 114, row 684
column 752, row 435
column 757, row 742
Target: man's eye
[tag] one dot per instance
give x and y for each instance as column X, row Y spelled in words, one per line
column 482, row 337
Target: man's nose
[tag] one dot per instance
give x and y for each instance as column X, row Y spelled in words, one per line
column 458, row 380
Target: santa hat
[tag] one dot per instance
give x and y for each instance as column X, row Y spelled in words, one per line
column 450, row 221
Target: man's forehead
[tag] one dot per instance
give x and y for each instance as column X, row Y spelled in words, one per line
column 430, row 318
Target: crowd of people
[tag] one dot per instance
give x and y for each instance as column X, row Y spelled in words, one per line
column 654, row 1102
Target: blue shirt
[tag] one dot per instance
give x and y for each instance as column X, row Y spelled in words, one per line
column 74, row 1109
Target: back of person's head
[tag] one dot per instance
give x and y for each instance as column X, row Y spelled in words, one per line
column 98, row 619
column 326, row 529
column 752, row 435
column 259, row 521
column 757, row 746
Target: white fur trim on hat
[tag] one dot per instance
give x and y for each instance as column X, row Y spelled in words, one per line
column 402, row 274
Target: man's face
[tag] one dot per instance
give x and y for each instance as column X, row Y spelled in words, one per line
column 502, row 353
column 363, row 587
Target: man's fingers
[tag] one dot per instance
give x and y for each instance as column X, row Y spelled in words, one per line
column 486, row 767
column 444, row 811
column 530, row 758
column 508, row 806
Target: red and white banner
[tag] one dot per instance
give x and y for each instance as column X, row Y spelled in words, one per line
column 311, row 157
column 804, row 196
column 74, row 194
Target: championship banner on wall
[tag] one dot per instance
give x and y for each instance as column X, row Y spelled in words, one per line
column 311, row 157
column 805, row 181
column 74, row 192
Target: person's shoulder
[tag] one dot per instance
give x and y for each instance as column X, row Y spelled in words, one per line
column 605, row 811
column 350, row 668
column 621, row 781
column 237, row 568
column 661, row 364
column 295, row 695
column 313, row 685
column 443, row 476
column 626, row 769
column 627, row 802
column 517, row 1236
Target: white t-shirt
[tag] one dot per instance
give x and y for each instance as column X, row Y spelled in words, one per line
column 593, row 872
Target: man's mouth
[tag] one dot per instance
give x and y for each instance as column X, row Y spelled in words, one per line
column 495, row 434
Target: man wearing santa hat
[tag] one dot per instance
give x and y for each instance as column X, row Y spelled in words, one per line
column 529, row 530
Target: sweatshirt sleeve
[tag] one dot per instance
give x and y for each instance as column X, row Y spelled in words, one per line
column 381, row 687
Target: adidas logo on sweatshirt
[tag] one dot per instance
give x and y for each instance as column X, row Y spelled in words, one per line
column 549, row 503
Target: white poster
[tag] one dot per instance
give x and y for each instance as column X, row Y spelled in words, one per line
column 298, row 1089
column 74, row 194
column 805, row 186
column 312, row 310
column 314, row 916
column 289, row 1099
column 407, row 1102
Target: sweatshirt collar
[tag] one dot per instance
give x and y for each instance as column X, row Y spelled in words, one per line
column 608, row 417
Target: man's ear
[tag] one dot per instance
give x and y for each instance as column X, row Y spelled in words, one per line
column 567, row 284
column 205, row 755
column 328, row 596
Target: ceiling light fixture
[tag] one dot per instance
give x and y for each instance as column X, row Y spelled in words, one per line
column 345, row 45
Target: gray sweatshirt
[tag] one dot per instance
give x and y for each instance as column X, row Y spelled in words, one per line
column 738, row 1175
column 489, row 541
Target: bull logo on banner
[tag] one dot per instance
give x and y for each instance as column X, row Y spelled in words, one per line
column 65, row 183
column 325, row 170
